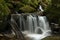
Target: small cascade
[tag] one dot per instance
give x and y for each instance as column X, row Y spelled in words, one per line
column 43, row 24
column 40, row 8
column 32, row 23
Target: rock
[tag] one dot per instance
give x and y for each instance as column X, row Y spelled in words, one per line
column 9, row 35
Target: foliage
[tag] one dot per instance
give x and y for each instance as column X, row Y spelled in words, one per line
column 4, row 11
column 32, row 4
column 53, row 11
column 22, row 4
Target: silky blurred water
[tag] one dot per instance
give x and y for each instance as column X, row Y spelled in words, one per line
column 37, row 27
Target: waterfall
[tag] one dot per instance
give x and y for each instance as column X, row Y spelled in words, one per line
column 37, row 27
column 34, row 27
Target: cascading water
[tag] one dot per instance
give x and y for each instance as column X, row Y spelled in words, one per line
column 40, row 8
column 33, row 26
column 37, row 27
column 32, row 23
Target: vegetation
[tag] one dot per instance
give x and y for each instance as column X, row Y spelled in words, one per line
column 30, row 5
column 4, row 12
column 53, row 11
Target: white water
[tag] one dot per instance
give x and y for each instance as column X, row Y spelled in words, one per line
column 40, row 8
column 33, row 29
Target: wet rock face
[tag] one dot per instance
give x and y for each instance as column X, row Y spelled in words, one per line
column 39, row 31
column 55, row 28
